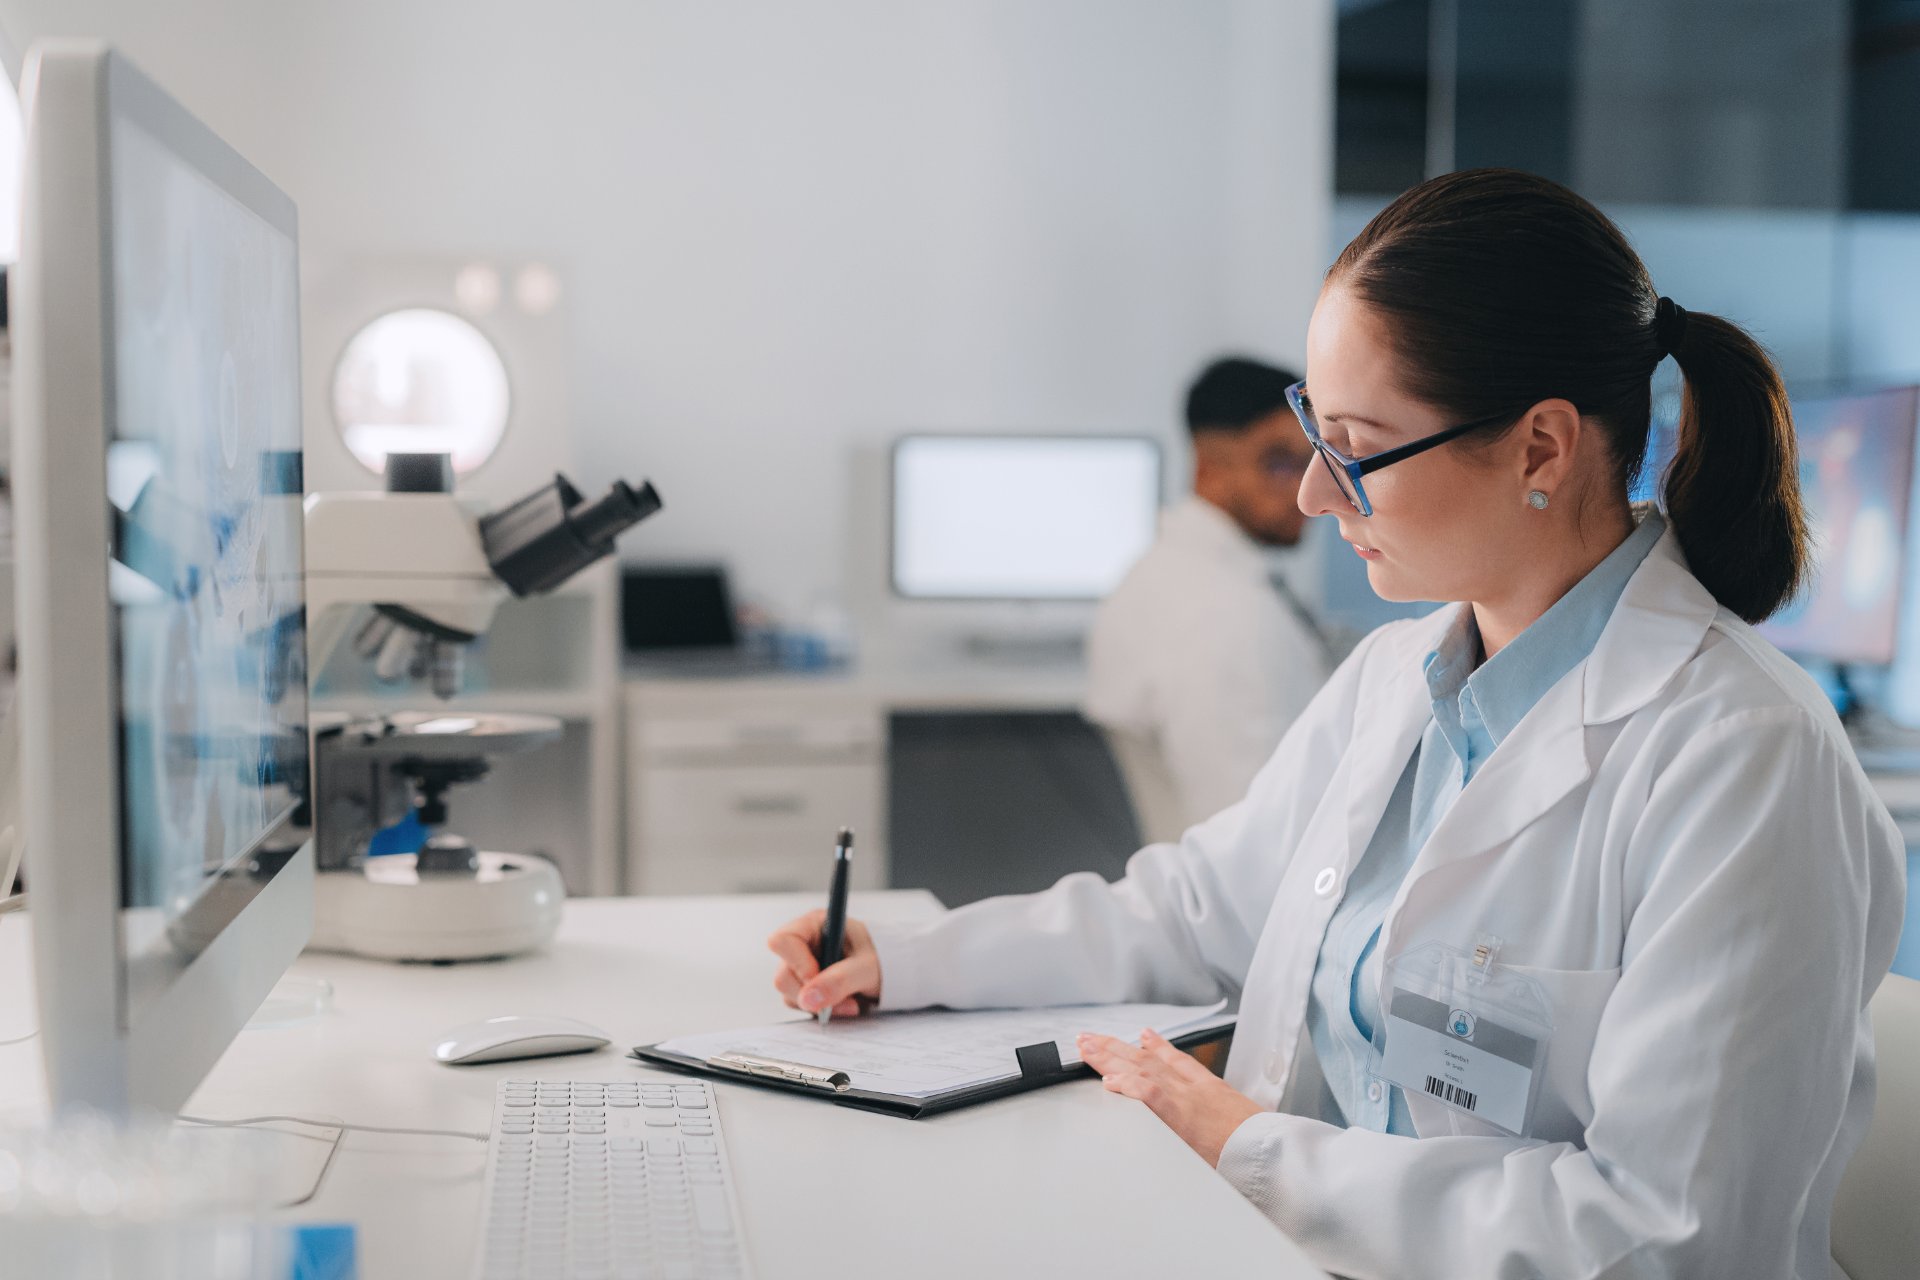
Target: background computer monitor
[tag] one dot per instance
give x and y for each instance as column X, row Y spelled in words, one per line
column 979, row 517
column 1856, row 472
column 161, row 606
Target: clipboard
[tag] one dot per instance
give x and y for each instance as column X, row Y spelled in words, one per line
column 1038, row 1065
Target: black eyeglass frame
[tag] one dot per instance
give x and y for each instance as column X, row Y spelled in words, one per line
column 1347, row 472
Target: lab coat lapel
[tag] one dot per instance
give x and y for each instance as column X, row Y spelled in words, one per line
column 1388, row 730
column 1656, row 628
column 1538, row 764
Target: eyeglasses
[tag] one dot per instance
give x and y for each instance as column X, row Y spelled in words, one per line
column 1346, row 472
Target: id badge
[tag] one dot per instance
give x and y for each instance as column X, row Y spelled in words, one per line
column 1459, row 1028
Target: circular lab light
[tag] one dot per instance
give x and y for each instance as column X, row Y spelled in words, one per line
column 477, row 285
column 420, row 381
column 536, row 288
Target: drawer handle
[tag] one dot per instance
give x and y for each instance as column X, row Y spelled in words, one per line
column 768, row 733
column 769, row 804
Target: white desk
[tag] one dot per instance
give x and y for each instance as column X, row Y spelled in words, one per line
column 1069, row 1180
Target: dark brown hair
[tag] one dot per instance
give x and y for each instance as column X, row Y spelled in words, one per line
column 1500, row 289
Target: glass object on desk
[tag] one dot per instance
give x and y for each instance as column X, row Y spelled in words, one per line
column 148, row 1199
column 293, row 1001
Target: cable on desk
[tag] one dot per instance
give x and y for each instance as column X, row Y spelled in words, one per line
column 250, row 1121
column 340, row 1131
column 9, row 904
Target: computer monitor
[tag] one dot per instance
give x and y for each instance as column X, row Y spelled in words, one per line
column 979, row 517
column 1856, row 472
column 162, row 622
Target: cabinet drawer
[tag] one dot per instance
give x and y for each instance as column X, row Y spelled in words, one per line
column 673, row 741
column 753, row 827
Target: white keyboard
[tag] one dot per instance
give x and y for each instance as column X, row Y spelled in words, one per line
column 609, row 1179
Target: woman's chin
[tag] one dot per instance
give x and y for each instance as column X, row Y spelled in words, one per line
column 1385, row 584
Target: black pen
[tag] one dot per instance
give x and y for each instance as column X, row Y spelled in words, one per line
column 833, row 932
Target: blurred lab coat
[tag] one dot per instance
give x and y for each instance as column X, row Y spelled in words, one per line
column 1196, row 666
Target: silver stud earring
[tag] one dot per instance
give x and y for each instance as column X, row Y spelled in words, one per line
column 1537, row 500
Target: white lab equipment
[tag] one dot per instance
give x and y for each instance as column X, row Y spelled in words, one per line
column 415, row 576
column 1676, row 845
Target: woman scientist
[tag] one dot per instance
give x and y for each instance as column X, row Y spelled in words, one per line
column 1553, row 921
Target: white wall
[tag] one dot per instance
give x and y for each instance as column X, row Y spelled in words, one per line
column 789, row 231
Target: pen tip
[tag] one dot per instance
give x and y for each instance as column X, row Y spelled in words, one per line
column 846, row 837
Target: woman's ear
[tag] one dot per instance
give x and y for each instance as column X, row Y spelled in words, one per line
column 1550, row 435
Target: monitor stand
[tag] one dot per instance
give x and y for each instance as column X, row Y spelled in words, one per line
column 1026, row 649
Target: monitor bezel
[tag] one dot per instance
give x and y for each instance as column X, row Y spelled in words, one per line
column 99, row 1049
column 898, row 592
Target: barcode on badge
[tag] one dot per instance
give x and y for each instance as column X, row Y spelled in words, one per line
column 1450, row 1093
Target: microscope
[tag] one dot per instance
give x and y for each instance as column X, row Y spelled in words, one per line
column 410, row 577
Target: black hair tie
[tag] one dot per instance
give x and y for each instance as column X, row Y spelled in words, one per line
column 1669, row 325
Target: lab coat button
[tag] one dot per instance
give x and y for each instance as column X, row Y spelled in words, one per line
column 1373, row 1092
column 1323, row 883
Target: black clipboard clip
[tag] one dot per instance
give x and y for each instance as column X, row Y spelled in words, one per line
column 1040, row 1063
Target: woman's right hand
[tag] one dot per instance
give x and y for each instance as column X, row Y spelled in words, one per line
column 849, row 987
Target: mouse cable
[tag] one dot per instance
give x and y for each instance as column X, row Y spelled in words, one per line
column 340, row 1131
column 17, row 901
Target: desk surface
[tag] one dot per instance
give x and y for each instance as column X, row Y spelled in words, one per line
column 1067, row 1180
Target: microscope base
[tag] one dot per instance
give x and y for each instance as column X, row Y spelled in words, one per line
column 389, row 911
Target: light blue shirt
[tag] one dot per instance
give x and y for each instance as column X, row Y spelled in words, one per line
column 1476, row 705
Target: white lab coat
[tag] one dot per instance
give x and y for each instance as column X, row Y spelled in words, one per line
column 1195, row 654
column 1676, row 842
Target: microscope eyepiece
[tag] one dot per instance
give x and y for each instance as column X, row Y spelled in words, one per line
column 545, row 538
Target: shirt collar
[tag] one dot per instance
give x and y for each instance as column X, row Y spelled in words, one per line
column 1507, row 685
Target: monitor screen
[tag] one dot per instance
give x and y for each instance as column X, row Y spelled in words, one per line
column 204, row 486
column 1856, row 470
column 1021, row 517
column 676, row 607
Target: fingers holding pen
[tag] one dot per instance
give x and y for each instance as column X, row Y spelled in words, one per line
column 847, row 987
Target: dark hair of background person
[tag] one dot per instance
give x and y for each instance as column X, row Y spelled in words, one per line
column 1500, row 289
column 1234, row 392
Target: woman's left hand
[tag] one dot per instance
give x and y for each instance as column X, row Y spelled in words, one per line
column 1196, row 1104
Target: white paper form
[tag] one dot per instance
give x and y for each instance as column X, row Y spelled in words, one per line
column 919, row 1054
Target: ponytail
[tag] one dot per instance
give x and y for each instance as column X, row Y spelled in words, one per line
column 1505, row 289
column 1733, row 489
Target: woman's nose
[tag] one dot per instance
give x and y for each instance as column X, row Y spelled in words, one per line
column 1319, row 495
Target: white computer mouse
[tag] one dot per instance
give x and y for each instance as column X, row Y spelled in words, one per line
column 505, row 1038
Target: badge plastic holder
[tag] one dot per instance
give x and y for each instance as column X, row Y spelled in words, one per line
column 1473, row 1034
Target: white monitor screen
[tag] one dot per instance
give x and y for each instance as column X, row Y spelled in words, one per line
column 204, row 474
column 1021, row 517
